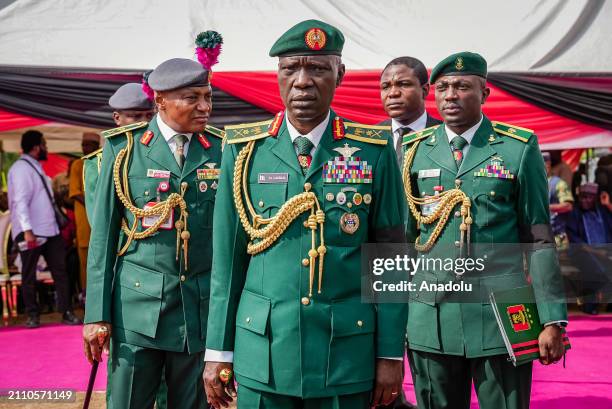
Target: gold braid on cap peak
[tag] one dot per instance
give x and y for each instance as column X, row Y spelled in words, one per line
column 447, row 202
column 264, row 232
column 161, row 209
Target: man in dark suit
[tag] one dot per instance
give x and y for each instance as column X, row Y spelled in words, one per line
column 404, row 86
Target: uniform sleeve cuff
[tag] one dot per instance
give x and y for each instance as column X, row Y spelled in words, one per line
column 562, row 323
column 212, row 355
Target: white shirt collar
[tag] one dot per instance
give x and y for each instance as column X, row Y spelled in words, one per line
column 315, row 135
column 467, row 135
column 419, row 124
column 167, row 132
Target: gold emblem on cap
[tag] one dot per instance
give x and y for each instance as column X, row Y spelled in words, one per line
column 315, row 38
column 459, row 63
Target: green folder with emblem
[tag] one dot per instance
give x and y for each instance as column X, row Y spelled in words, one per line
column 517, row 316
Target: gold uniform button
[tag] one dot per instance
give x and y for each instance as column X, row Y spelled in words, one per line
column 492, row 193
column 248, row 320
column 360, row 323
column 457, row 213
column 306, row 223
column 457, row 243
column 183, row 278
column 305, row 262
column 261, row 203
column 305, row 301
column 307, row 186
column 146, row 192
column 458, row 182
column 137, row 284
column 349, row 205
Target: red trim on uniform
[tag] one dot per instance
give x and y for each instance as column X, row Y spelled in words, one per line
column 204, row 141
column 146, row 138
column 338, row 128
column 276, row 123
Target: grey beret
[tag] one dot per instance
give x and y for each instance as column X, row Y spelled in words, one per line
column 130, row 96
column 178, row 73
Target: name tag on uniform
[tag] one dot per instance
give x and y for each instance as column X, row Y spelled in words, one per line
column 429, row 173
column 149, row 221
column 158, row 173
column 428, row 209
column 272, row 178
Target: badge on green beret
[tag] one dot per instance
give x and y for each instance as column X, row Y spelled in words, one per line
column 463, row 63
column 310, row 37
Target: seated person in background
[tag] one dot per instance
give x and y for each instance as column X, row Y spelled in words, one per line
column 588, row 226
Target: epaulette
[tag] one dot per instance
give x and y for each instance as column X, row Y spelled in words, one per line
column 215, row 131
column 516, row 132
column 247, row 132
column 93, row 154
column 376, row 134
column 109, row 133
column 418, row 135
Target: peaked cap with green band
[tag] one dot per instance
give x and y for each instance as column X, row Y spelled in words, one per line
column 463, row 63
column 310, row 37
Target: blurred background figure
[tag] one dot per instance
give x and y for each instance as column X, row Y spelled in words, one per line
column 36, row 221
column 589, row 226
column 560, row 200
column 90, row 143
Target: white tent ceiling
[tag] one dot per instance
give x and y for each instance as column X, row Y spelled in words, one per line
column 519, row 35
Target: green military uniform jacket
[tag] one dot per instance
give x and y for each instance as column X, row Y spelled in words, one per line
column 147, row 295
column 91, row 171
column 284, row 342
column 510, row 209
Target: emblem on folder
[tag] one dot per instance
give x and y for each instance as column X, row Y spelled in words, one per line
column 519, row 317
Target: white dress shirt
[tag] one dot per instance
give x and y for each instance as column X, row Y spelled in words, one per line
column 314, row 136
column 169, row 134
column 419, row 124
column 29, row 204
column 467, row 135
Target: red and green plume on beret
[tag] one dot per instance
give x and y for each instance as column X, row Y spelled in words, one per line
column 208, row 48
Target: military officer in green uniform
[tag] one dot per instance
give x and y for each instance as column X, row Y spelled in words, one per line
column 298, row 196
column 470, row 182
column 130, row 105
column 150, row 249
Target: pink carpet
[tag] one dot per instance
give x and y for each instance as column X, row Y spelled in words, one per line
column 47, row 357
column 52, row 357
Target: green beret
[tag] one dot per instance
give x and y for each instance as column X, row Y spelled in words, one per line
column 464, row 63
column 310, row 37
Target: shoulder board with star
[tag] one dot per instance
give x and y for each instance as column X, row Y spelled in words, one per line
column 418, row 135
column 375, row 134
column 215, row 131
column 247, row 132
column 93, row 154
column 109, row 133
column 516, row 132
